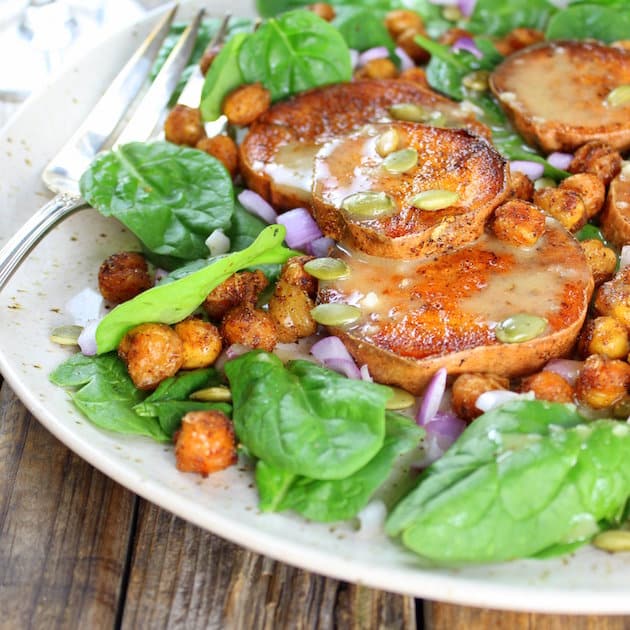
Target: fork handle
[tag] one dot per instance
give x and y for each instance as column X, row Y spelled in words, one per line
column 21, row 243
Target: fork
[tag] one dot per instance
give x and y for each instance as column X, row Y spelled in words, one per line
column 99, row 130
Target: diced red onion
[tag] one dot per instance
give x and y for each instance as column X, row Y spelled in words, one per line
column 624, row 257
column 365, row 373
column 447, row 427
column 560, row 160
column 254, row 203
column 378, row 52
column 497, row 397
column 87, row 338
column 301, row 227
column 329, row 348
column 466, row 7
column 533, row 170
column 236, row 350
column 432, row 397
column 320, row 247
column 406, row 62
column 344, row 366
column 218, row 243
column 567, row 368
column 467, row 44
column 354, row 58
column 160, row 274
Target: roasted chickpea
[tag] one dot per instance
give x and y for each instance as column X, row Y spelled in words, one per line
column 401, row 20
column 564, row 205
column 201, row 343
column 601, row 259
column 518, row 222
column 517, row 39
column 246, row 103
column 407, row 41
column 377, row 69
column 183, row 125
column 239, row 288
column 613, row 297
column 415, row 75
column 468, row 387
column 152, row 353
column 522, row 187
column 548, row 385
column 122, row 276
column 205, row 443
column 323, row 10
column 598, row 158
column 605, row 336
column 602, row 382
column 290, row 309
column 249, row 326
column 224, row 149
column 294, row 273
column 590, row 188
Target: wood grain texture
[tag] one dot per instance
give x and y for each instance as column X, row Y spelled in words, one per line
column 439, row 616
column 183, row 577
column 64, row 530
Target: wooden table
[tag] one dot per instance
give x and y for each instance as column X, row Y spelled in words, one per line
column 79, row 551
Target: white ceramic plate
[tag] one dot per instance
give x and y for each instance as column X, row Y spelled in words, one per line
column 38, row 298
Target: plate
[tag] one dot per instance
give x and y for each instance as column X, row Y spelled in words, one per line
column 60, row 276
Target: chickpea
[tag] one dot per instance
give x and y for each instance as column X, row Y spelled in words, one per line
column 323, row 10
column 290, row 309
column 201, row 343
column 613, row 297
column 598, row 158
column 122, row 276
column 564, row 205
column 602, row 382
column 415, row 75
column 239, row 288
column 468, row 387
column 401, row 20
column 183, row 125
column 205, row 443
column 377, row 69
column 294, row 273
column 249, row 326
column 407, row 41
column 522, row 187
column 605, row 336
column 549, row 386
column 517, row 39
column 518, row 222
column 590, row 188
column 601, row 259
column 246, row 103
column 152, row 353
column 224, row 149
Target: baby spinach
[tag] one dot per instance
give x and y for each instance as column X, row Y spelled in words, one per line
column 525, row 478
column 607, row 23
column 171, row 197
column 303, row 418
column 171, row 302
column 363, row 28
column 294, row 52
column 497, row 17
column 336, row 499
column 106, row 394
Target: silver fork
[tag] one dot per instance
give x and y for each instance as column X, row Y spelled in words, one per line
column 62, row 174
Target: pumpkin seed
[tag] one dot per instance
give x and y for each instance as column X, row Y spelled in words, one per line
column 452, row 13
column 368, row 204
column 409, row 112
column 434, row 199
column 619, row 96
column 401, row 161
column 212, row 394
column 613, row 540
column 520, row 327
column 327, row 268
column 477, row 80
column 387, row 142
column 66, row 335
column 401, row 399
column 335, row 314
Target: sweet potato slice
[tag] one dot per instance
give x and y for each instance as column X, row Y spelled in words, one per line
column 615, row 217
column 556, row 94
column 450, row 160
column 420, row 315
column 277, row 153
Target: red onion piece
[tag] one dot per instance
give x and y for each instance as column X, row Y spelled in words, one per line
column 254, row 203
column 365, row 374
column 301, row 227
column 467, row 44
column 354, row 58
column 406, row 62
column 378, row 52
column 560, row 160
column 329, row 348
column 466, row 7
column 236, row 350
column 497, row 397
column 160, row 274
column 344, row 366
column 87, row 338
column 533, row 170
column 447, row 427
column 320, row 247
column 567, row 368
column 218, row 243
column 624, row 257
column 432, row 397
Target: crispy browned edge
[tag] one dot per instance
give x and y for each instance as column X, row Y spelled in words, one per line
column 553, row 135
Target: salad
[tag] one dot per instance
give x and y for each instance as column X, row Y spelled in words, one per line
column 486, row 409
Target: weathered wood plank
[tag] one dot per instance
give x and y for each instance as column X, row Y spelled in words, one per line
column 184, row 577
column 64, row 530
column 439, row 616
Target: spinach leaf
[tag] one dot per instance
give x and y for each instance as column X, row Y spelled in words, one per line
column 522, row 479
column 171, row 302
column 497, row 17
column 223, row 76
column 336, row 499
column 363, row 28
column 172, row 198
column 270, row 8
column 106, row 394
column 590, row 21
column 295, row 52
column 303, row 418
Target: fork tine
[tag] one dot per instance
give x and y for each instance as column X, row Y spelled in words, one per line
column 150, row 111
column 67, row 166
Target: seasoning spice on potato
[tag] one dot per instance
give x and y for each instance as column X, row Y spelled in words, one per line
column 122, row 276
